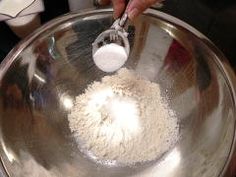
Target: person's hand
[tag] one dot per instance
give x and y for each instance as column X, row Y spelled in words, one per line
column 134, row 9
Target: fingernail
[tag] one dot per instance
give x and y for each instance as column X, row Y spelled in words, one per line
column 133, row 13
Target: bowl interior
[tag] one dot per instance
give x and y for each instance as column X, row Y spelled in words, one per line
column 41, row 78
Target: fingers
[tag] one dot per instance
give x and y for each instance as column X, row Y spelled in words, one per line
column 119, row 7
column 134, row 9
column 138, row 6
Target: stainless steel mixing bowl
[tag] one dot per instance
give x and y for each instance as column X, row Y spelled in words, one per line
column 41, row 77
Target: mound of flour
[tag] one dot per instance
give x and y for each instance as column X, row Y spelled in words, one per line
column 123, row 119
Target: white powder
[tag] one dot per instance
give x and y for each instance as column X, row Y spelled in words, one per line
column 123, row 119
column 110, row 57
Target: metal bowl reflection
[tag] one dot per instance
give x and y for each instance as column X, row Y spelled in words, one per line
column 41, row 77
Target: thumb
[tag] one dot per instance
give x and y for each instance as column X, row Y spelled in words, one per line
column 138, row 6
column 119, row 6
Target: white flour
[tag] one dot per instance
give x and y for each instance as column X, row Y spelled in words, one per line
column 123, row 119
column 110, row 57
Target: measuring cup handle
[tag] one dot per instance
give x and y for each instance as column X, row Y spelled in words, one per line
column 124, row 17
column 123, row 20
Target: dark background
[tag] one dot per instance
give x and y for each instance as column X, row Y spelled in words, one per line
column 214, row 18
